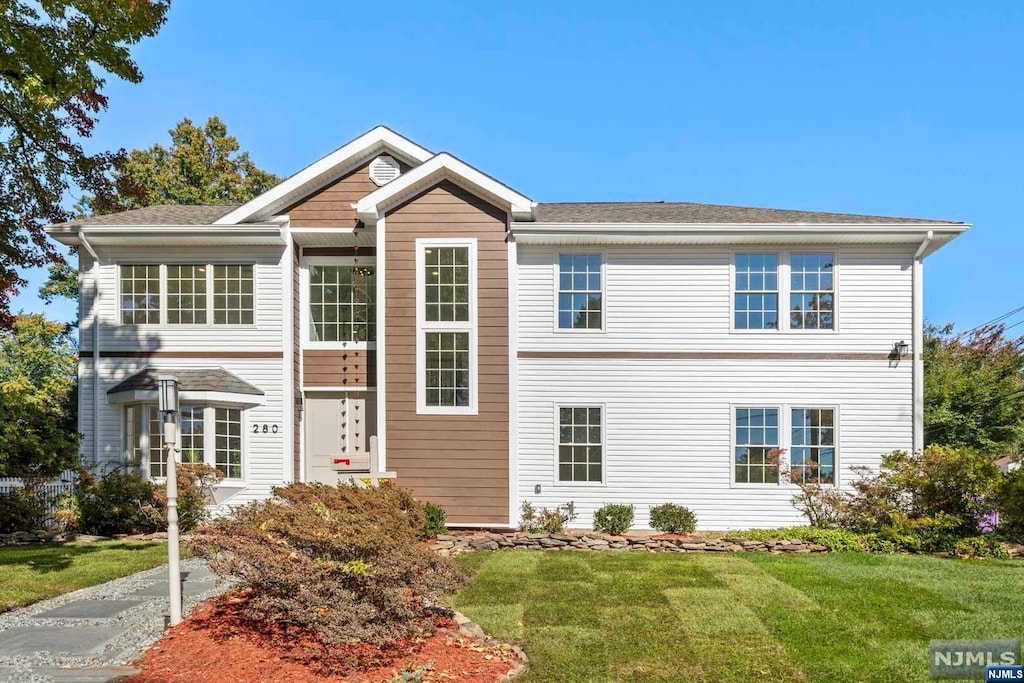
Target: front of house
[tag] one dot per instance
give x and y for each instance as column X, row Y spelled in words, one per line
column 388, row 309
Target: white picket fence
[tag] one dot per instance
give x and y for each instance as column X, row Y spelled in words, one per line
column 53, row 489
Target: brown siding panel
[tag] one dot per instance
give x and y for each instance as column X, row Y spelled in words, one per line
column 331, row 207
column 457, row 461
column 339, row 368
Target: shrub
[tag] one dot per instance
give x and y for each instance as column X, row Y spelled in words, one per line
column 673, row 519
column 1011, row 505
column 836, row 540
column 613, row 518
column 435, row 518
column 195, row 484
column 344, row 562
column 544, row 521
column 823, row 506
column 961, row 483
column 23, row 508
column 118, row 503
column 980, row 546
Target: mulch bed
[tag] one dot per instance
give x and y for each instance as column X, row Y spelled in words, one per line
column 219, row 644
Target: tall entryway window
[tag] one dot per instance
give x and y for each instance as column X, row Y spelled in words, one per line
column 340, row 296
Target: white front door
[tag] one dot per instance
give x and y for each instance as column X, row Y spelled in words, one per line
column 338, row 430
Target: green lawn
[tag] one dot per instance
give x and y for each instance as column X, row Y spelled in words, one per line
column 35, row 572
column 607, row 616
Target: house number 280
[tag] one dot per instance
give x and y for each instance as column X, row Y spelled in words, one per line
column 264, row 429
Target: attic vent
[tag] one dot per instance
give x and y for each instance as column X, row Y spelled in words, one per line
column 384, row 169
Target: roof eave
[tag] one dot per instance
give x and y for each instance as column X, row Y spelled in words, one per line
column 128, row 235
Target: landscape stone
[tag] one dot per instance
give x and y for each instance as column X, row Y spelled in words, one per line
column 88, row 609
column 74, row 640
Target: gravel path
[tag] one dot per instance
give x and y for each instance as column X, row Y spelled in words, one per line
column 96, row 630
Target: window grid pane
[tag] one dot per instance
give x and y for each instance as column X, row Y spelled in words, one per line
column 447, row 369
column 580, row 448
column 192, row 439
column 232, row 295
column 757, row 446
column 579, row 292
column 186, row 294
column 157, row 453
column 756, row 304
column 140, row 295
column 446, row 284
column 813, row 456
column 228, row 448
column 812, row 292
column 133, row 417
column 341, row 304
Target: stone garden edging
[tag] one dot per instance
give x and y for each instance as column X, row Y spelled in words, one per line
column 43, row 536
column 456, row 543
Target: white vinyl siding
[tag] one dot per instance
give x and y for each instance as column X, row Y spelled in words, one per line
column 680, row 299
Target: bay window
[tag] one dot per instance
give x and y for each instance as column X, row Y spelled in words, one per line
column 206, row 434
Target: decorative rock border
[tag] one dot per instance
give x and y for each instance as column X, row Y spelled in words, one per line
column 43, row 536
column 468, row 627
column 453, row 544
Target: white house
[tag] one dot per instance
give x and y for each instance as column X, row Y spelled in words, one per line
column 503, row 350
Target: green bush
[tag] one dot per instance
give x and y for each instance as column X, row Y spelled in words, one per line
column 434, row 520
column 118, row 503
column 673, row 519
column 1011, row 506
column 344, row 562
column 23, row 509
column 543, row 521
column 613, row 518
column 980, row 546
column 836, row 540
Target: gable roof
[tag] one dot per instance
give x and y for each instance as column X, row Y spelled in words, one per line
column 443, row 166
column 326, row 170
column 687, row 212
column 162, row 214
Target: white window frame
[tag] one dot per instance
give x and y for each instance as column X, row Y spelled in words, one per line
column 784, row 290
column 209, row 324
column 556, row 441
column 556, row 269
column 304, row 282
column 424, row 326
column 785, row 440
column 209, row 437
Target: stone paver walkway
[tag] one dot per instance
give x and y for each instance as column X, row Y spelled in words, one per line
column 91, row 635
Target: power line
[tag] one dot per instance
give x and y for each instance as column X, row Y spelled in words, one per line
column 1001, row 318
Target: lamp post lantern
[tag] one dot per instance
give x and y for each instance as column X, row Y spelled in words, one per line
column 167, row 389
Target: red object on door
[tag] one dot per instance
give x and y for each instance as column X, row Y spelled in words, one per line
column 342, row 461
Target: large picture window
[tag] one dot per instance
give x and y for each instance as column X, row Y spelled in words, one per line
column 580, row 444
column 580, row 293
column 341, row 303
column 446, row 320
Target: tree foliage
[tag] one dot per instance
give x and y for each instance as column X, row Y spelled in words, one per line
column 55, row 57
column 974, row 389
column 38, row 364
column 203, row 165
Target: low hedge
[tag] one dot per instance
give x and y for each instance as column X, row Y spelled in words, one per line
column 889, row 540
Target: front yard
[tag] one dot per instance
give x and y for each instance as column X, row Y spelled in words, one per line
column 34, row 572
column 605, row 616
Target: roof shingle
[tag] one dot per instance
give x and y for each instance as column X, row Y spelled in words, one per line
column 163, row 214
column 190, row 379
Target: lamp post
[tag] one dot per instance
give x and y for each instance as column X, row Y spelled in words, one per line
column 168, row 407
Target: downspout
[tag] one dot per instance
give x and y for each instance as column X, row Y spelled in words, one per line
column 917, row 346
column 95, row 347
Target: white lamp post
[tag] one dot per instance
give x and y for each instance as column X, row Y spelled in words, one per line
column 168, row 406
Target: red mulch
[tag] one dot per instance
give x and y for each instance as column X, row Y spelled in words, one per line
column 219, row 644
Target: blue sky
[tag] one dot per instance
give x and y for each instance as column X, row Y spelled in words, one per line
column 903, row 109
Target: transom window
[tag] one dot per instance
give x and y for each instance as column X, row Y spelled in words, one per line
column 447, row 369
column 446, row 282
column 341, row 303
column 813, row 455
column 812, row 295
column 580, row 298
column 756, row 305
column 232, row 295
column 187, row 287
column 580, row 444
column 186, row 294
column 220, row 447
column 140, row 295
column 757, row 446
column 446, row 291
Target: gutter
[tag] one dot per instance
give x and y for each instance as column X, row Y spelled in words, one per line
column 95, row 347
column 917, row 344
